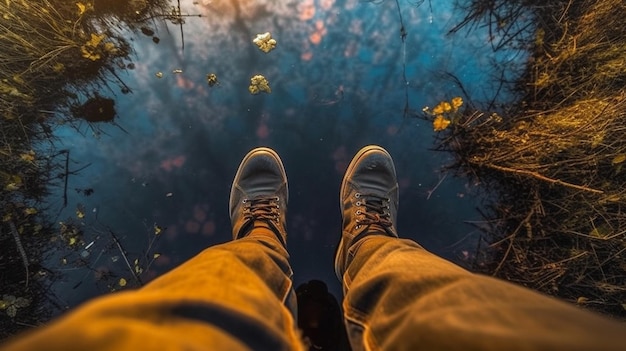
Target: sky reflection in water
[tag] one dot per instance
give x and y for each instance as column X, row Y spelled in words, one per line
column 336, row 79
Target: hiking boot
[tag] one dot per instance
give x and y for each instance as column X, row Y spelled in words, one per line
column 259, row 195
column 369, row 201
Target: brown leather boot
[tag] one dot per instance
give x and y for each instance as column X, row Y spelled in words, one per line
column 369, row 201
column 259, row 195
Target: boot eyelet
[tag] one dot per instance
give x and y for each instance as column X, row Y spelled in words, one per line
column 358, row 212
column 358, row 203
column 357, row 195
column 244, row 201
column 277, row 199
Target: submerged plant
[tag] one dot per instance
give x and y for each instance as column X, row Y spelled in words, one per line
column 11, row 304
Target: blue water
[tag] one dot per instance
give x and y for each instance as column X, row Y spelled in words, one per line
column 336, row 79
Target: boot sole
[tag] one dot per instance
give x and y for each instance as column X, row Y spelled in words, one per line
column 339, row 253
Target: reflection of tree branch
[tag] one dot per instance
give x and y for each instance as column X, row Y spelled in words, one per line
column 67, row 174
column 182, row 35
column 20, row 248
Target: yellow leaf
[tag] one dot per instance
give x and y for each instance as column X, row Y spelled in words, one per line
column 619, row 159
column 136, row 261
column 18, row 79
column 12, row 187
column 157, row 230
column 28, row 156
column 456, row 103
column 582, row 300
column 440, row 123
column 110, row 47
column 446, row 106
column 72, row 241
column 122, row 282
column 81, row 8
column 156, row 255
column 80, row 213
column 29, row 211
column 58, row 67
column 259, row 84
column 438, row 109
column 95, row 40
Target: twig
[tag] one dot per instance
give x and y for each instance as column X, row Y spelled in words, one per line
column 123, row 252
column 431, row 191
column 544, row 178
column 20, row 248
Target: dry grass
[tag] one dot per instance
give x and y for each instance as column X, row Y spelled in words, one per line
column 554, row 163
column 53, row 55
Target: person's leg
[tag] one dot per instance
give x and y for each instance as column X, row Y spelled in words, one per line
column 400, row 296
column 233, row 296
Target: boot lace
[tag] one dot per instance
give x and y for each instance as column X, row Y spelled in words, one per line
column 374, row 210
column 262, row 209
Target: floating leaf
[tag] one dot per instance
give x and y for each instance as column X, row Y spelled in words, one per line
column 440, row 123
column 72, row 241
column 157, row 230
column 211, row 79
column 80, row 212
column 259, row 84
column 30, row 211
column 456, row 103
column 265, row 42
column 122, row 282
column 159, row 74
column 156, row 255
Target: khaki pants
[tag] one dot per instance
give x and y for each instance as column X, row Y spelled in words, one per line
column 239, row 296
